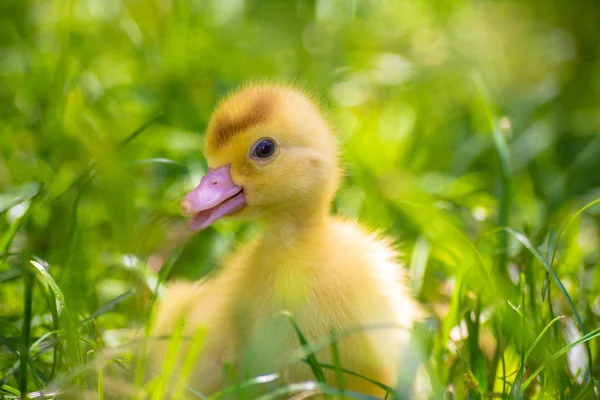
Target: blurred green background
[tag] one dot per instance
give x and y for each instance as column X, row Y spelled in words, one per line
column 455, row 117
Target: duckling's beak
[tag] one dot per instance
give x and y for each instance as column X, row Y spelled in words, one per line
column 215, row 197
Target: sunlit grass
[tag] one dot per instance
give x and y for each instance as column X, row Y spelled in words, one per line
column 469, row 132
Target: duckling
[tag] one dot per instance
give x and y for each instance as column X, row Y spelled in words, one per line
column 273, row 159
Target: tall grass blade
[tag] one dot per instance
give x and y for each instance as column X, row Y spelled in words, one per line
column 47, row 281
column 8, row 236
column 163, row 275
column 311, row 359
column 26, row 332
column 129, row 138
column 365, row 378
column 564, row 227
column 587, row 392
column 310, row 388
column 163, row 381
column 10, row 274
column 65, row 321
column 27, row 191
column 110, row 305
column 595, row 333
column 335, row 354
column 502, row 149
column 551, row 270
column 259, row 380
column 539, row 337
column 189, row 362
column 163, row 161
column 535, row 251
column 10, row 391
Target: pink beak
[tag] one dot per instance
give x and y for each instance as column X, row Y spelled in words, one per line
column 215, row 197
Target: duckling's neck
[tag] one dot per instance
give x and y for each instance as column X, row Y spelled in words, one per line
column 290, row 228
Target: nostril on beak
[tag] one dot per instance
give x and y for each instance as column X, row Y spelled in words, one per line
column 214, row 183
column 186, row 207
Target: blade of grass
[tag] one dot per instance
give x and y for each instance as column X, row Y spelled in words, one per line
column 143, row 274
column 471, row 377
column 335, row 354
column 35, row 350
column 46, row 280
column 552, row 245
column 28, row 283
column 58, row 348
column 189, row 362
column 503, row 152
column 539, row 337
column 515, row 393
column 441, row 218
column 190, row 390
column 584, row 339
column 11, row 390
column 547, row 289
column 586, row 392
column 311, row 387
column 564, row 227
column 10, row 274
column 516, row 390
column 11, row 371
column 100, row 384
column 86, row 175
column 323, row 343
column 551, row 269
column 501, row 146
column 418, row 263
column 246, row 384
column 68, row 325
column 38, row 346
column 163, row 275
column 476, row 360
column 138, row 131
column 109, row 306
column 166, row 161
column 452, row 319
column 27, row 192
column 4, row 341
column 310, row 356
column 501, row 348
column 9, row 235
column 365, row 378
column 234, row 376
column 535, row 251
column 161, row 388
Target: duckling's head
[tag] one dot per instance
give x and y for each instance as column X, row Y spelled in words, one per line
column 270, row 155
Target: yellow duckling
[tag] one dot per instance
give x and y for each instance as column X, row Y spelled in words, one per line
column 272, row 158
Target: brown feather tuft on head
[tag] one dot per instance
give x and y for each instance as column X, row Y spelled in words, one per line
column 244, row 110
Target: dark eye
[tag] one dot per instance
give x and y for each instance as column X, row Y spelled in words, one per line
column 264, row 149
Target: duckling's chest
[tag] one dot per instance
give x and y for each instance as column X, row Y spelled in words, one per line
column 292, row 281
column 275, row 291
column 277, row 282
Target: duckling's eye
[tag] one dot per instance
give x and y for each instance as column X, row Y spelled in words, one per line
column 264, row 149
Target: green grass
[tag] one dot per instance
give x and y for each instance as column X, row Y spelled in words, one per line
column 470, row 135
